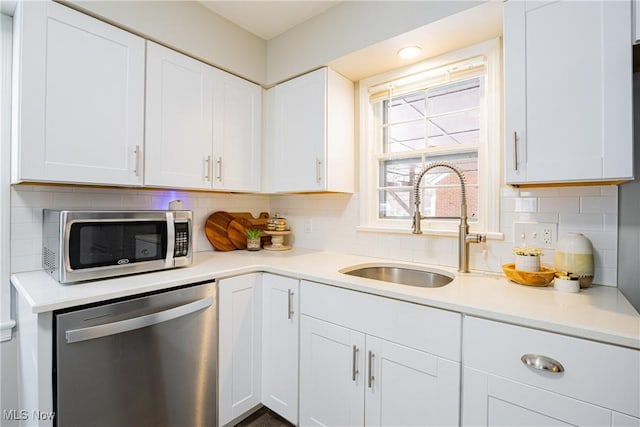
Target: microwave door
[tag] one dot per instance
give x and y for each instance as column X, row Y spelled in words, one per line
column 95, row 247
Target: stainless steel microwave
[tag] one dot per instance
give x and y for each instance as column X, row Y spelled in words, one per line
column 87, row 245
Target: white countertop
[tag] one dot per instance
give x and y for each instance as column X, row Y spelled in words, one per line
column 599, row 313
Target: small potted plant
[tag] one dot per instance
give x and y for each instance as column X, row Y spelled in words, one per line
column 527, row 258
column 253, row 239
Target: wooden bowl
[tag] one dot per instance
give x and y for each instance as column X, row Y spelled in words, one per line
column 529, row 278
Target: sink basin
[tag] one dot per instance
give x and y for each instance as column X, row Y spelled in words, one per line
column 404, row 275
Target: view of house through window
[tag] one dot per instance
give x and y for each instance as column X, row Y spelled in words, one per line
column 440, row 121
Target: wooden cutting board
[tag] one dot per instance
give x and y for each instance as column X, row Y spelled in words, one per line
column 236, row 232
column 226, row 230
column 216, row 230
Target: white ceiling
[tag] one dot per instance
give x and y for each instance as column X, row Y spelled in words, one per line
column 265, row 18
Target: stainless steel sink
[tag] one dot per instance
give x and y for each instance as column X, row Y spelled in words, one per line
column 404, row 275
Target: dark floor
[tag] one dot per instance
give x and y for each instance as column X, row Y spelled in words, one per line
column 264, row 417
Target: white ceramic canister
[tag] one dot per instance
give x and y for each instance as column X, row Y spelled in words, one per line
column 574, row 254
column 566, row 283
column 527, row 263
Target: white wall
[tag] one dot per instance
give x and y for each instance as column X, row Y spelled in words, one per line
column 349, row 27
column 189, row 27
column 333, row 219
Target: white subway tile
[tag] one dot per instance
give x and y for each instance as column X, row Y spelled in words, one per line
column 22, row 247
column 22, row 215
column 599, row 204
column 609, row 190
column 21, row 264
column 30, row 230
column 526, row 204
column 538, row 217
column 559, row 204
column 606, row 276
column 580, row 222
column 31, row 199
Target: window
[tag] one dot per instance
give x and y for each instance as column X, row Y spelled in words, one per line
column 445, row 109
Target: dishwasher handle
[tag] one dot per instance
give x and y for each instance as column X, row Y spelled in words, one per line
column 99, row 331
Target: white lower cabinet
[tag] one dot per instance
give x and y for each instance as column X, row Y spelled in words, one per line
column 280, row 328
column 239, row 351
column 332, row 374
column 570, row 381
column 368, row 360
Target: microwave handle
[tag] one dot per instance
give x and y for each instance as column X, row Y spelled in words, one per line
column 171, row 240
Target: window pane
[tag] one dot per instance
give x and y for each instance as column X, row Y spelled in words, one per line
column 440, row 187
column 406, row 107
column 455, row 129
column 453, row 97
column 405, row 137
column 395, row 203
column 401, row 172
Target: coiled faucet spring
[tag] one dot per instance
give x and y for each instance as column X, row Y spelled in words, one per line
column 464, row 238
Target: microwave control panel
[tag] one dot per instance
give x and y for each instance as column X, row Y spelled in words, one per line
column 182, row 239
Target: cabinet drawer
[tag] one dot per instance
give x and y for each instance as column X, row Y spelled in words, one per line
column 597, row 373
column 428, row 329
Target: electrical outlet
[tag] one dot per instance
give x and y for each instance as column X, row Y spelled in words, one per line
column 539, row 234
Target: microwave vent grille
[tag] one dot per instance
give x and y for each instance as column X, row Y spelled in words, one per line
column 49, row 259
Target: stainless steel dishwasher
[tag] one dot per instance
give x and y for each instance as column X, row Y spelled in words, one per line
column 146, row 361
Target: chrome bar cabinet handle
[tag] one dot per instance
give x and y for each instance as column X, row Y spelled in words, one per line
column 354, row 364
column 290, row 304
column 207, row 168
column 219, row 169
column 318, row 170
column 136, row 168
column 515, row 151
column 371, row 377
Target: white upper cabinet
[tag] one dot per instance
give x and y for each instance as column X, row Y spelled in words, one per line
column 179, row 120
column 202, row 125
column 78, row 98
column 237, row 133
column 568, row 97
column 309, row 134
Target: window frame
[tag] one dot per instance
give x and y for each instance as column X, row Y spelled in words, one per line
column 489, row 150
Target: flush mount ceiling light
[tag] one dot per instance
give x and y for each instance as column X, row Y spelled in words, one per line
column 409, row 52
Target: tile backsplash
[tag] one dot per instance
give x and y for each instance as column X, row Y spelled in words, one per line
column 329, row 221
column 28, row 201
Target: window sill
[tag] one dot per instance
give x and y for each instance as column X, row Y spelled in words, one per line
column 491, row 235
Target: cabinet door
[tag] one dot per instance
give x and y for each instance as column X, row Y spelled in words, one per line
column 239, row 349
column 79, row 111
column 300, row 133
column 179, row 120
column 407, row 387
column 237, row 131
column 568, row 103
column 280, row 328
column 332, row 374
column 489, row 400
